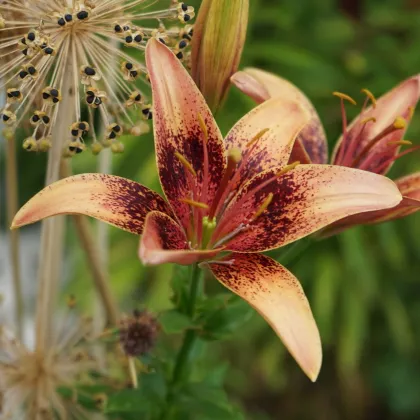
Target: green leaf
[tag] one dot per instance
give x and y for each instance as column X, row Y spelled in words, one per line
column 173, row 322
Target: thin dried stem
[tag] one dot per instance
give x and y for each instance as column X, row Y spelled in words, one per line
column 12, row 207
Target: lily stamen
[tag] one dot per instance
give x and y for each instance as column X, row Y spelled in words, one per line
column 257, row 137
column 187, row 165
column 230, row 235
column 370, row 95
column 369, row 119
column 263, row 206
column 287, row 168
column 203, row 128
column 345, row 97
column 400, row 143
column 193, row 203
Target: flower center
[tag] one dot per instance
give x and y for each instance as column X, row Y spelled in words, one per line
column 351, row 154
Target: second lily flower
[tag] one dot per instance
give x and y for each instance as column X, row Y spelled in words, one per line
column 228, row 199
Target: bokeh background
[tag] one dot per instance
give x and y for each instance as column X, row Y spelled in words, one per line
column 363, row 285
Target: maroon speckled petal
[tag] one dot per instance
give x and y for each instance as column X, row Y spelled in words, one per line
column 393, row 104
column 304, row 200
column 177, row 105
column 261, row 85
column 112, row 199
column 284, row 119
column 164, row 241
column 409, row 187
column 278, row 296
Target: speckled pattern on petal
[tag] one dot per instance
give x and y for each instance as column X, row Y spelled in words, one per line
column 177, row 105
column 164, row 241
column 305, row 199
column 277, row 295
column 284, row 119
column 112, row 199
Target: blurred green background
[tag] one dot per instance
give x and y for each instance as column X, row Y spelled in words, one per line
column 363, row 285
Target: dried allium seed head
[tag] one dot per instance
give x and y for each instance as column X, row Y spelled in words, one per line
column 81, row 49
column 138, row 333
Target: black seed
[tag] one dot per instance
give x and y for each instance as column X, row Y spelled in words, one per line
column 68, row 17
column 162, row 41
column 54, row 92
column 10, row 95
column 184, row 7
column 129, row 39
column 72, row 149
column 98, row 101
column 16, row 93
column 23, row 41
column 82, row 126
column 45, row 95
column 138, row 38
column 150, row 116
column 90, row 99
column 32, row 70
column 180, row 55
column 83, row 14
column 25, row 51
column 90, row 93
column 117, row 129
column 48, row 50
column 61, row 22
column 74, row 133
column 112, row 135
column 6, row 117
column 31, row 36
column 138, row 98
column 128, row 66
column 117, row 28
column 187, row 18
column 126, row 28
column 182, row 44
column 145, row 111
column 79, row 150
column 35, row 118
column 43, row 46
column 186, row 36
column 89, row 71
column 29, row 146
column 191, row 32
column 46, row 119
column 56, row 100
column 134, row 73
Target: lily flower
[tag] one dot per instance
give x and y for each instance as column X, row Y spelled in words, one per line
column 227, row 200
column 372, row 142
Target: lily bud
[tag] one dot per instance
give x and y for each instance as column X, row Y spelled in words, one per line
column 218, row 41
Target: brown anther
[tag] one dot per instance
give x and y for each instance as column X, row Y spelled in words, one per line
column 264, row 206
column 193, row 203
column 288, row 168
column 400, row 143
column 369, row 119
column 345, row 97
column 203, row 127
column 400, row 123
column 187, row 165
column 234, row 155
column 370, row 95
column 257, row 137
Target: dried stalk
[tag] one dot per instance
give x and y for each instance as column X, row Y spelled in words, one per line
column 12, row 208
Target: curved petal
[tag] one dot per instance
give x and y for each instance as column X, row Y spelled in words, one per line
column 283, row 119
column 303, row 201
column 112, row 199
column 399, row 102
column 409, row 187
column 164, row 241
column 278, row 296
column 178, row 106
column 261, row 85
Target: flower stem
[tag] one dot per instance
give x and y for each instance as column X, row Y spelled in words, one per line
column 12, row 207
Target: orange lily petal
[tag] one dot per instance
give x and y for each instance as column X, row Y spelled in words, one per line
column 261, row 85
column 178, row 108
column 283, row 119
column 278, row 296
column 112, row 199
column 164, row 241
column 399, row 102
column 303, row 201
column 409, row 187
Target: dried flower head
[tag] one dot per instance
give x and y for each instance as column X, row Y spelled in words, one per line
column 30, row 379
column 138, row 333
column 89, row 50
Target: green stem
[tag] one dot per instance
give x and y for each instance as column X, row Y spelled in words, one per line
column 190, row 335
